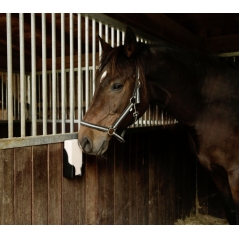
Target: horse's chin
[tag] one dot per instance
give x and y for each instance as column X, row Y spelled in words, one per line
column 98, row 148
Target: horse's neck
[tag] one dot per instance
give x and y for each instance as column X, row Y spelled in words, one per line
column 175, row 87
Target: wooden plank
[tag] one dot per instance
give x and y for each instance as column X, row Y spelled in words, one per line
column 91, row 177
column 154, row 173
column 40, row 185
column 55, row 183
column 185, row 175
column 162, row 178
column 132, row 183
column 80, row 198
column 7, row 187
column 74, row 199
column 106, row 187
column 173, row 156
column 68, row 202
column 121, row 183
column 23, row 185
column 142, row 179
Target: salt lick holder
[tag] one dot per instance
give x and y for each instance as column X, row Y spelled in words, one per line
column 72, row 159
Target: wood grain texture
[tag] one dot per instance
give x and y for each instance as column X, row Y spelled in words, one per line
column 144, row 181
column 7, row 187
column 92, row 190
column 23, row 185
column 121, row 184
column 106, row 187
column 40, row 185
column 132, row 182
column 55, row 183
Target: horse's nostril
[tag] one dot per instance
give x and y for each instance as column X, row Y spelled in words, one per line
column 86, row 145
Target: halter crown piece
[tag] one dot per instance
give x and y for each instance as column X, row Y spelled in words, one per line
column 111, row 130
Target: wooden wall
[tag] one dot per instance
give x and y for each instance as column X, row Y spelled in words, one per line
column 148, row 180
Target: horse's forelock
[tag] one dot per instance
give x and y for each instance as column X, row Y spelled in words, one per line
column 118, row 62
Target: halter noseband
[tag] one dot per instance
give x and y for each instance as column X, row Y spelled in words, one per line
column 111, row 130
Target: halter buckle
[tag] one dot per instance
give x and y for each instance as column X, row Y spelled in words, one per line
column 111, row 130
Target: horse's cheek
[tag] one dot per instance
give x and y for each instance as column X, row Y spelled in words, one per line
column 113, row 107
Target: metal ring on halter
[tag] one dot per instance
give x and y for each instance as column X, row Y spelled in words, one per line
column 111, row 130
column 132, row 100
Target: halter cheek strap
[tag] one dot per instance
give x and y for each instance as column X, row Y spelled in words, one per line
column 111, row 130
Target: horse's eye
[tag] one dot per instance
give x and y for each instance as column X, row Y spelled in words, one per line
column 117, row 86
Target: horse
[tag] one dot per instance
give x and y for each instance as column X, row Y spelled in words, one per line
column 199, row 90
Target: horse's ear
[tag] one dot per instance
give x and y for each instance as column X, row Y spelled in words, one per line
column 130, row 42
column 105, row 46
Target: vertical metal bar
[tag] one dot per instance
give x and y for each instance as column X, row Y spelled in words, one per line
column 123, row 35
column 93, row 55
column 106, row 33
column 9, row 76
column 72, row 93
column 156, row 115
column 79, row 89
column 57, row 96
column 49, row 97
column 82, row 95
column 87, row 62
column 162, row 118
column 53, row 20
column 63, row 75
column 118, row 37
column 33, row 76
column 112, row 36
column 100, row 34
column 22, row 75
column 149, row 116
column 14, row 96
column 44, row 75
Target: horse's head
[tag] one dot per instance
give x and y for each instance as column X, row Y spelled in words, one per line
column 120, row 97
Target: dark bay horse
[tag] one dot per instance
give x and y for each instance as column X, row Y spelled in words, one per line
column 200, row 91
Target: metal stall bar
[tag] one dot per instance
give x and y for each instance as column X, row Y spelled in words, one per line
column 79, row 88
column 100, row 34
column 53, row 20
column 107, row 33
column 44, row 76
column 57, row 96
column 9, row 76
column 22, row 75
column 63, row 76
column 86, row 63
column 93, row 55
column 14, row 96
column 118, row 37
column 112, row 36
column 33, row 75
column 72, row 94
column 123, row 36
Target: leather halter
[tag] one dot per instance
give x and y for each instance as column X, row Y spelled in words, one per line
column 111, row 130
